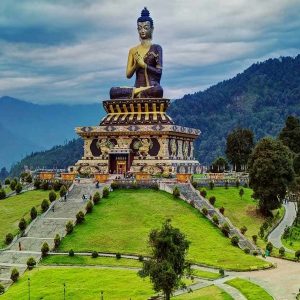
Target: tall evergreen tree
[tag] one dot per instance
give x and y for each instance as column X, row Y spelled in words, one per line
column 239, row 146
column 290, row 134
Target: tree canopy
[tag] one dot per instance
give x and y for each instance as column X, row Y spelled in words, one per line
column 167, row 265
column 239, row 146
column 290, row 134
column 270, row 173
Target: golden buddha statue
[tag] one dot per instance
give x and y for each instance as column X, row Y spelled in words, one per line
column 145, row 60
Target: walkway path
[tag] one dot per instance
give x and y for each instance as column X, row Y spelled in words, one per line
column 289, row 217
column 43, row 229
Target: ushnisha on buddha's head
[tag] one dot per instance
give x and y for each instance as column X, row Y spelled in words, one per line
column 145, row 25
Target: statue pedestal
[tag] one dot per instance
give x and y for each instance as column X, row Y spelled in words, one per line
column 137, row 136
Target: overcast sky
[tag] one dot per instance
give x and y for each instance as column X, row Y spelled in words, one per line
column 73, row 51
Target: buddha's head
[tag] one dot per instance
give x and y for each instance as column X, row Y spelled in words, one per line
column 145, row 25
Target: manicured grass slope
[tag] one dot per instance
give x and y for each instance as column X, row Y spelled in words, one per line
column 293, row 241
column 12, row 209
column 241, row 212
column 208, row 293
column 250, row 290
column 122, row 224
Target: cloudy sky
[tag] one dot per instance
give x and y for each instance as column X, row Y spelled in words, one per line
column 73, row 51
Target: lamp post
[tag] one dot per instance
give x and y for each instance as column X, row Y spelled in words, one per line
column 64, row 291
column 28, row 282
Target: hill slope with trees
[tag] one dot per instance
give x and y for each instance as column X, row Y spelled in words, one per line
column 260, row 98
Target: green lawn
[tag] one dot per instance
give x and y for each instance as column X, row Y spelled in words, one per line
column 88, row 260
column 240, row 211
column 208, row 293
column 249, row 289
column 293, row 241
column 122, row 224
column 81, row 283
column 205, row 274
column 14, row 208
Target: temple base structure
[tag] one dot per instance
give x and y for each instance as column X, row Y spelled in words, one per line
column 135, row 136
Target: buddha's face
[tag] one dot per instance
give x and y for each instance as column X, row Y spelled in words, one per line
column 145, row 30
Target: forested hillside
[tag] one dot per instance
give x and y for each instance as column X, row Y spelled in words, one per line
column 260, row 98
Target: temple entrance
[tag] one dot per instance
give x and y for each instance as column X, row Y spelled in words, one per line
column 120, row 161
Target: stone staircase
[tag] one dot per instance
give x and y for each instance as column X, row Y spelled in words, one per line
column 43, row 229
column 190, row 194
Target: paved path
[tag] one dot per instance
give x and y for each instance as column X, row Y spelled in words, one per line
column 289, row 217
column 43, row 229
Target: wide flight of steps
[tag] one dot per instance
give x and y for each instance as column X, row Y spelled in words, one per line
column 44, row 229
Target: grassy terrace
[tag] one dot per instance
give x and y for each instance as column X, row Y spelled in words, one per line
column 208, row 293
column 87, row 283
column 249, row 289
column 122, row 223
column 241, row 212
column 14, row 208
column 293, row 240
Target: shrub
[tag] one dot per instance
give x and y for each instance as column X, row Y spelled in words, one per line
column 215, row 219
column 13, row 184
column 237, row 184
column 281, row 251
column 105, row 192
column 176, row 192
column 52, row 196
column 57, row 241
column 114, row 185
column 118, row 255
column 22, row 224
column 14, row 276
column 2, row 194
column 45, row 205
column 9, row 238
column 141, row 258
column 235, row 240
column 245, row 185
column 71, row 253
column 194, row 184
column 222, row 210
column 37, row 183
column 241, row 193
column 31, row 263
column 45, row 249
column 96, row 198
column 255, row 253
column 89, row 206
column 69, row 227
column 297, row 254
column 57, row 185
column 225, row 229
column 204, row 211
column 261, row 232
column 33, row 213
column 254, row 238
column 62, row 191
column 95, row 254
column 265, row 225
column 211, row 185
column 28, row 178
column 226, row 185
column 18, row 188
column 79, row 217
column 7, row 181
column 243, row 229
column 212, row 200
column 222, row 272
column 2, row 289
column 45, row 185
column 203, row 192
column 247, row 250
